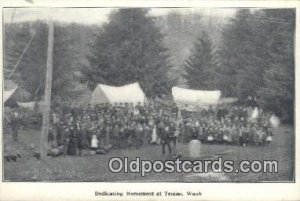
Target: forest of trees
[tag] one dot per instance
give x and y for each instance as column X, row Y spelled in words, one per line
column 248, row 55
column 255, row 59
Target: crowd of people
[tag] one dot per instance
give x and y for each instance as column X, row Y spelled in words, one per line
column 120, row 126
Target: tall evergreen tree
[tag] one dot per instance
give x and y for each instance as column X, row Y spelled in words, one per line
column 128, row 49
column 277, row 93
column 201, row 65
column 244, row 54
column 234, row 52
column 257, row 58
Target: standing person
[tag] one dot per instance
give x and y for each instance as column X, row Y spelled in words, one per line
column 210, row 111
column 147, row 133
column 188, row 132
column 89, row 134
column 73, row 144
column 138, row 135
column 173, row 137
column 116, row 136
column 194, row 133
column 52, row 137
column 154, row 136
column 256, row 135
column 227, row 134
column 201, row 135
column 80, row 139
column 101, row 132
column 94, row 142
column 65, row 139
column 243, row 135
column 84, row 135
column 235, row 134
column 60, row 131
column 160, row 128
column 107, row 133
column 15, row 123
column 220, row 113
column 122, row 135
column 165, row 140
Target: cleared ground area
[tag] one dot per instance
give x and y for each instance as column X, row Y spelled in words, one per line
column 95, row 168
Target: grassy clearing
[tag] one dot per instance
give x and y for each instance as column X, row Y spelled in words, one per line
column 95, row 168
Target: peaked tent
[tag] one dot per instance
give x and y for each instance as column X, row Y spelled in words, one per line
column 8, row 93
column 131, row 93
column 195, row 97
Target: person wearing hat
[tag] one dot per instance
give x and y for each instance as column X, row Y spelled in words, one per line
column 165, row 140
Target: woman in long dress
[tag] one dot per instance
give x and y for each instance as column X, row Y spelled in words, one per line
column 154, row 138
column 94, row 142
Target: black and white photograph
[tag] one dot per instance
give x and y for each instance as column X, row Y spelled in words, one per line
column 148, row 94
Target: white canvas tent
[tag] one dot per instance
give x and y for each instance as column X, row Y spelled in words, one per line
column 8, row 93
column 27, row 105
column 32, row 105
column 131, row 93
column 195, row 97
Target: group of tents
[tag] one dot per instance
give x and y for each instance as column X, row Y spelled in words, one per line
column 133, row 93
column 185, row 99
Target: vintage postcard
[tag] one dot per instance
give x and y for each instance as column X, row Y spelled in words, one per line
column 155, row 100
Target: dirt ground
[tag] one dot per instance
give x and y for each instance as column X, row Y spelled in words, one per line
column 95, row 168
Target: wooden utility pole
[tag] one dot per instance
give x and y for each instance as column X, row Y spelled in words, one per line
column 47, row 101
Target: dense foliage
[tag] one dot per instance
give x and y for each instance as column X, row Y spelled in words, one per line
column 129, row 49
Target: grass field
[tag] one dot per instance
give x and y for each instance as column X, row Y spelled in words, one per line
column 95, row 168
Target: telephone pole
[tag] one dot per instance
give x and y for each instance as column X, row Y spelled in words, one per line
column 47, row 101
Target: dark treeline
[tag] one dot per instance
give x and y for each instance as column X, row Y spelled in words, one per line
column 255, row 59
column 248, row 55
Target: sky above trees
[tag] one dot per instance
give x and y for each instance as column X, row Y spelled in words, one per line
column 98, row 15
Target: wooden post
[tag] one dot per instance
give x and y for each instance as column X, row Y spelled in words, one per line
column 47, row 101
